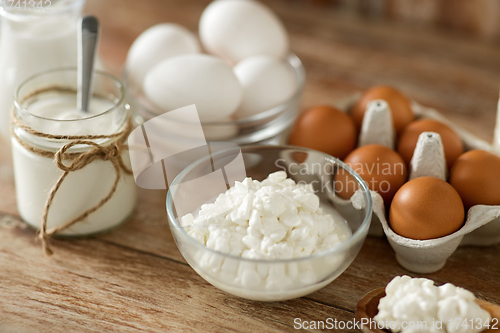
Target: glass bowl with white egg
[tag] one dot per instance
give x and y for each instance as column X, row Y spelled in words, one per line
column 273, row 228
column 269, row 126
column 246, row 87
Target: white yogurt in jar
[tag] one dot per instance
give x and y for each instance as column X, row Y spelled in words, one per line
column 35, row 175
column 268, row 222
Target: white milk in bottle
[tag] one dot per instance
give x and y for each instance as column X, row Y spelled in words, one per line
column 34, row 39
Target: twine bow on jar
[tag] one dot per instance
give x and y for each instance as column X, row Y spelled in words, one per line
column 111, row 152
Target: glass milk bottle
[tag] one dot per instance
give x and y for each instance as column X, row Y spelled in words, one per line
column 72, row 168
column 35, row 36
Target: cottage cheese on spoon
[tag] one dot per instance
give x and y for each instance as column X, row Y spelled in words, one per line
column 418, row 302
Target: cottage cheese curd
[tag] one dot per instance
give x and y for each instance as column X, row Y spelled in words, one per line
column 418, row 300
column 270, row 220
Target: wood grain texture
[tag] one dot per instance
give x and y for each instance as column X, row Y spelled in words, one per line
column 93, row 285
column 478, row 18
column 135, row 279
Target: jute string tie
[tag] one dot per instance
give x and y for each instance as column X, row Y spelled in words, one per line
column 111, row 152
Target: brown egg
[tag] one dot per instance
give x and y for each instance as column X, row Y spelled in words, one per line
column 326, row 129
column 453, row 146
column 401, row 111
column 381, row 168
column 426, row 208
column 476, row 177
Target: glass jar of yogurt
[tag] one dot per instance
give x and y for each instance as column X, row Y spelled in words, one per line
column 71, row 165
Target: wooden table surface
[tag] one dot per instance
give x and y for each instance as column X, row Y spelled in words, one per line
column 135, row 279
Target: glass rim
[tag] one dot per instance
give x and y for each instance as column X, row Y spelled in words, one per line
column 18, row 104
column 299, row 71
column 356, row 236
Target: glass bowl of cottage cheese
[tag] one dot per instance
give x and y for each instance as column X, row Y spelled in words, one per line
column 264, row 222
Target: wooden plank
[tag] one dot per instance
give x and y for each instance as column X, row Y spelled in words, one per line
column 343, row 55
column 7, row 188
column 91, row 285
column 148, row 229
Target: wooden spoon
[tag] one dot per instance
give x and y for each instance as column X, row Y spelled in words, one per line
column 368, row 308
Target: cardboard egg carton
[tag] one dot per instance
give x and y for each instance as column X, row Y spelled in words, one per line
column 482, row 227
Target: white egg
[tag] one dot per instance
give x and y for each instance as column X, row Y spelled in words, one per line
column 266, row 83
column 200, row 79
column 156, row 44
column 237, row 29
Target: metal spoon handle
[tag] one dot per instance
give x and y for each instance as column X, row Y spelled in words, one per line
column 88, row 36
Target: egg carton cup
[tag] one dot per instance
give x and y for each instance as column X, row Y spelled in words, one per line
column 428, row 256
column 482, row 227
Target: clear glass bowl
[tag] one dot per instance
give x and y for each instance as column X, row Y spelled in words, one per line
column 269, row 126
column 277, row 280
